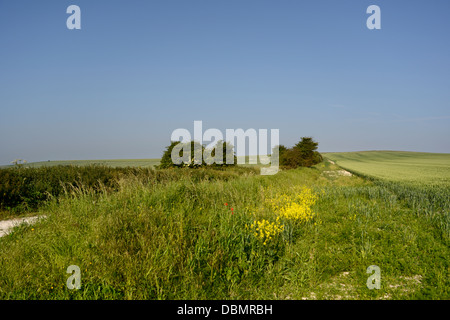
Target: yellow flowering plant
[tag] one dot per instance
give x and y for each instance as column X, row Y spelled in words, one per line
column 265, row 230
column 296, row 208
column 289, row 209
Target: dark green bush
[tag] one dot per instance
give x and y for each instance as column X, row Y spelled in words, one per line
column 23, row 189
column 26, row 188
column 197, row 152
column 303, row 154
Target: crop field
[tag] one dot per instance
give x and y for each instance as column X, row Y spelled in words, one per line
column 305, row 233
column 109, row 162
column 411, row 167
column 422, row 180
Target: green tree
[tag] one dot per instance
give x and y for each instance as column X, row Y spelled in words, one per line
column 307, row 147
column 220, row 153
column 303, row 154
column 193, row 159
column 166, row 159
column 291, row 158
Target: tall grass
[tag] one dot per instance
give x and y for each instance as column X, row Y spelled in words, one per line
column 177, row 238
column 23, row 189
column 430, row 200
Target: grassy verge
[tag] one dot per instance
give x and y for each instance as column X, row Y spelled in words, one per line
column 179, row 239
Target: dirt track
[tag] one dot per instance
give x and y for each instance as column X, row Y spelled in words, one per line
column 7, row 225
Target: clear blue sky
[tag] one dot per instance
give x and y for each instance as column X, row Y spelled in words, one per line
column 137, row 70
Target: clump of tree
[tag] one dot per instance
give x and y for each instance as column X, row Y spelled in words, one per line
column 303, row 154
column 194, row 155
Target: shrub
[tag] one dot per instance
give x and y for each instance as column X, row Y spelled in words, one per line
column 227, row 153
column 197, row 157
column 193, row 159
column 24, row 188
column 303, row 154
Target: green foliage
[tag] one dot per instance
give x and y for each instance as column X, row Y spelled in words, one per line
column 166, row 159
column 171, row 234
column 174, row 236
column 422, row 180
column 191, row 155
column 281, row 149
column 23, row 189
column 303, row 154
column 227, row 151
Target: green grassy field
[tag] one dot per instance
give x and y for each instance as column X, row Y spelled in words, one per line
column 111, row 162
column 122, row 163
column 420, row 179
column 180, row 239
column 410, row 167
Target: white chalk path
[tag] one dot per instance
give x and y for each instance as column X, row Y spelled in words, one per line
column 337, row 173
column 7, row 225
